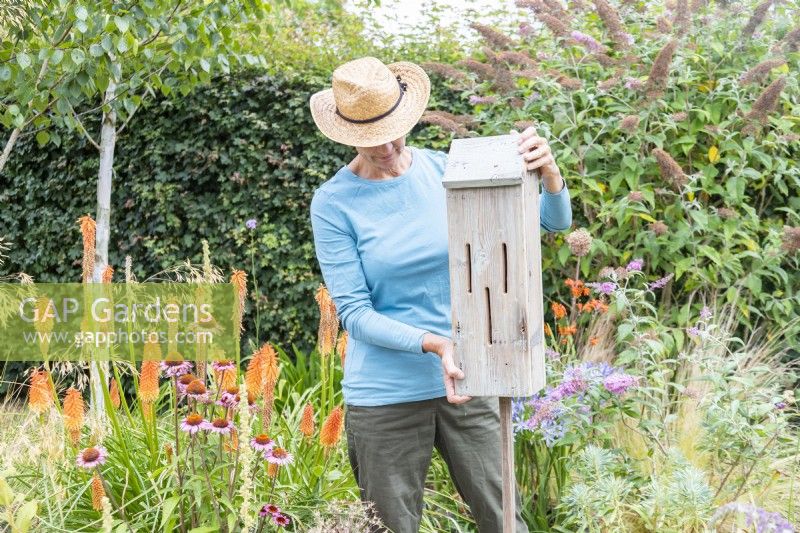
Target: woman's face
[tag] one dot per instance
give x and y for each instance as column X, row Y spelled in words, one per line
column 384, row 156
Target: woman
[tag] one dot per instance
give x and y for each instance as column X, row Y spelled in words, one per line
column 380, row 233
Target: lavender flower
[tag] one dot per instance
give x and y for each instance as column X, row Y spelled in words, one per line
column 693, row 331
column 619, row 383
column 251, row 224
column 635, row 265
column 705, row 313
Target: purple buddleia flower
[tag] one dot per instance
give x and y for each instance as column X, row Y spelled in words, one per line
column 526, row 29
column 634, row 84
column 587, row 41
column 475, row 99
column 604, row 287
column 635, row 265
column 659, row 283
column 619, row 383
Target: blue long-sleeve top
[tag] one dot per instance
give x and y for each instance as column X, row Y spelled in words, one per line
column 382, row 249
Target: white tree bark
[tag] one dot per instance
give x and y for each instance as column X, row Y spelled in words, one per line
column 108, row 139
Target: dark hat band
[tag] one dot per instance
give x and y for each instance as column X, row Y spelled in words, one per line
column 403, row 88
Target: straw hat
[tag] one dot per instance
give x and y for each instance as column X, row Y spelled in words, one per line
column 370, row 103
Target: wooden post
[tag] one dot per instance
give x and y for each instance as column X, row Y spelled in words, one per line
column 507, row 458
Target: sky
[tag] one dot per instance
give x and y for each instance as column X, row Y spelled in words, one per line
column 403, row 14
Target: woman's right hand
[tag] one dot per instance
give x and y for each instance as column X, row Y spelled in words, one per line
column 443, row 347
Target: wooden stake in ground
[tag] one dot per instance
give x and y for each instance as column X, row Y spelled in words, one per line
column 495, row 281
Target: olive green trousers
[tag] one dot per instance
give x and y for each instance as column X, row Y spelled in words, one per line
column 391, row 447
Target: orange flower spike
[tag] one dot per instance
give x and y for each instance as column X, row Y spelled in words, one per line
column 586, row 291
column 341, row 346
column 148, row 382
column 73, row 413
column 593, row 341
column 98, row 492
column 254, row 376
column 548, row 330
column 271, row 369
column 307, row 422
column 272, row 469
column 40, row 395
column 113, row 392
column 332, row 428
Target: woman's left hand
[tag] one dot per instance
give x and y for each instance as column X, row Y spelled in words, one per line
column 537, row 154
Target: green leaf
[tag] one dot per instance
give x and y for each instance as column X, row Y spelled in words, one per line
column 81, row 13
column 23, row 60
column 77, row 56
column 42, row 137
column 57, row 56
column 107, row 43
column 96, row 50
column 167, row 508
column 24, row 517
column 122, row 45
column 6, row 494
column 5, row 73
column 121, row 23
column 205, row 65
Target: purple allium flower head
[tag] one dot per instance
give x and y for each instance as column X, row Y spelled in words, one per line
column 635, row 265
column 586, row 40
column 619, row 383
column 659, row 283
column 251, row 224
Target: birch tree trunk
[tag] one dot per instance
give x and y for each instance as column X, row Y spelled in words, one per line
column 108, row 139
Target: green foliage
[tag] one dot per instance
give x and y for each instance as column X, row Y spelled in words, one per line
column 719, row 227
column 57, row 55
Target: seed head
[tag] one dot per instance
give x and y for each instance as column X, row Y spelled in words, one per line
column 579, row 242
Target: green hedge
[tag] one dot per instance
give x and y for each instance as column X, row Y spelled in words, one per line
column 185, row 170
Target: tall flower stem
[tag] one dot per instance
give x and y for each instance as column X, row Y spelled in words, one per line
column 211, row 492
column 178, row 450
column 255, row 286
